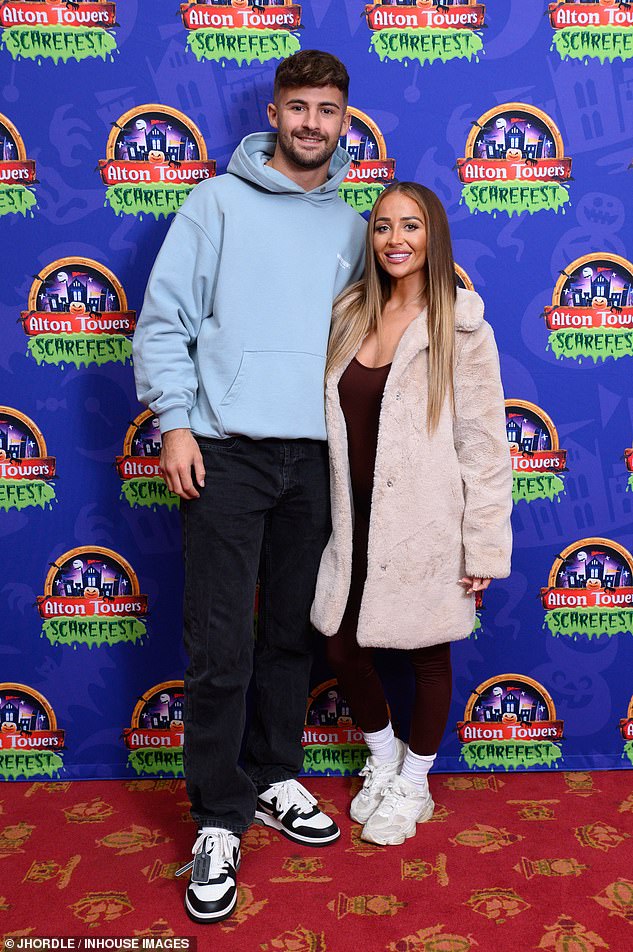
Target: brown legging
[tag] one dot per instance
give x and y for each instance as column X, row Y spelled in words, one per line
column 359, row 681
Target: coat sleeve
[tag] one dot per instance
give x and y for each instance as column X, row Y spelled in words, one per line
column 179, row 296
column 484, row 455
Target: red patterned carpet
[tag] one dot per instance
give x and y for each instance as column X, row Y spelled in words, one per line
column 509, row 863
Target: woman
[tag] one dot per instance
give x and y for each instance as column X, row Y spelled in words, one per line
column 421, row 489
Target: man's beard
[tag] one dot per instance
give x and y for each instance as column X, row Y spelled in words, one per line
column 313, row 160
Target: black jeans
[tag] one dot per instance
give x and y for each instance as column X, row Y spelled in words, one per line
column 264, row 512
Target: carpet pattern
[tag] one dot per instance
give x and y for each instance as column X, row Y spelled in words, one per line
column 508, row 863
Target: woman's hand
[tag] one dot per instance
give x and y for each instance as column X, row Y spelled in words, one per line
column 474, row 584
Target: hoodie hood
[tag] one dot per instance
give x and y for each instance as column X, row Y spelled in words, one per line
column 249, row 162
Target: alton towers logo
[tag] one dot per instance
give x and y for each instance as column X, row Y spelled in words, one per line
column 590, row 590
column 592, row 29
column 58, row 29
column 155, row 738
column 26, row 469
column 92, row 597
column 333, row 745
column 154, row 157
column 510, row 722
column 591, row 314
column 30, row 740
column 426, row 30
column 370, row 170
column 537, row 460
column 17, row 173
column 242, row 31
column 78, row 314
column 514, row 162
column 139, row 467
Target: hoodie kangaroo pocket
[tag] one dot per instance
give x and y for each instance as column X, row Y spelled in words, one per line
column 276, row 394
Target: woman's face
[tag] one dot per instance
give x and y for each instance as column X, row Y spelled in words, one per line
column 400, row 236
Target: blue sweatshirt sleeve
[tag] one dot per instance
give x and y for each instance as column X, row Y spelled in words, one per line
column 358, row 264
column 178, row 297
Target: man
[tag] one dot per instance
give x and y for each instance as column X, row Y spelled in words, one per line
column 230, row 353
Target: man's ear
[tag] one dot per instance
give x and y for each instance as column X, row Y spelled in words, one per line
column 347, row 121
column 271, row 110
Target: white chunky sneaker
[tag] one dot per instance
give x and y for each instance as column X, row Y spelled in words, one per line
column 377, row 776
column 401, row 808
column 290, row 808
column 212, row 891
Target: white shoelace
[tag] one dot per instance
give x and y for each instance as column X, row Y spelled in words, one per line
column 392, row 798
column 290, row 793
column 372, row 773
column 217, row 845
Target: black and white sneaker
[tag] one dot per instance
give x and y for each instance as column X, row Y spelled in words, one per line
column 212, row 891
column 288, row 807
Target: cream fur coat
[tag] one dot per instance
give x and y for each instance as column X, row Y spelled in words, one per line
column 441, row 504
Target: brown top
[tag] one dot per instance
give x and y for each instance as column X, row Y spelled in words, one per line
column 360, row 390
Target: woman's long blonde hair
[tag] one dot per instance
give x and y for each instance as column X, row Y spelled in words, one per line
column 358, row 310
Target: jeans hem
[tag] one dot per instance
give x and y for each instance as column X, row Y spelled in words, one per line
column 235, row 828
column 266, row 781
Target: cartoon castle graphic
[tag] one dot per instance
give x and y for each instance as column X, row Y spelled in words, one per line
column 530, row 442
column 91, row 577
column 15, row 444
column 15, row 711
column 76, row 291
column 595, row 569
column 515, row 138
column 161, row 718
column 526, row 710
column 363, row 149
column 154, row 139
column 600, row 287
column 592, row 107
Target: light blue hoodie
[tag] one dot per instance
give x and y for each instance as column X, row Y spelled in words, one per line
column 234, row 327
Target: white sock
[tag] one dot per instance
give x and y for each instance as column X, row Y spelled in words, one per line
column 382, row 744
column 415, row 767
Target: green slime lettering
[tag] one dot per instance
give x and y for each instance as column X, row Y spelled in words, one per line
column 629, row 485
column 329, row 760
column 592, row 622
column 528, row 488
column 426, row 44
column 628, row 750
column 17, row 200
column 80, row 349
column 146, row 760
column 19, row 494
column 151, row 198
column 510, row 754
column 514, row 197
column 29, row 763
column 242, row 45
column 591, row 342
column 361, row 197
column 94, row 631
column 148, row 492
column 597, row 42
column 58, row 43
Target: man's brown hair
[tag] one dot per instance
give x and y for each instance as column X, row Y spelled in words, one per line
column 311, row 68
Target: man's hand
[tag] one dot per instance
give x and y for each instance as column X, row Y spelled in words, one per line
column 179, row 456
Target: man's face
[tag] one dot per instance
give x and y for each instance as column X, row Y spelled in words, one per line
column 309, row 121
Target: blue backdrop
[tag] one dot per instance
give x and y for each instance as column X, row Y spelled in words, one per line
column 520, row 116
